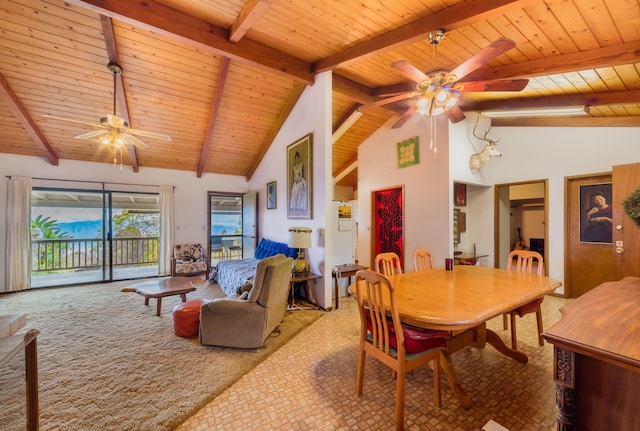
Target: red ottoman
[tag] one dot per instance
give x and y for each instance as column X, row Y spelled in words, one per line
column 186, row 318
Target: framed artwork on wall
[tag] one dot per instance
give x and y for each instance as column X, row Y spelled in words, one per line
column 596, row 222
column 408, row 153
column 300, row 179
column 271, row 195
column 388, row 221
column 459, row 194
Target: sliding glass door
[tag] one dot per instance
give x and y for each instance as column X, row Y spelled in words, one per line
column 232, row 221
column 85, row 236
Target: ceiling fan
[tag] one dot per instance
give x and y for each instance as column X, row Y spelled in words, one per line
column 439, row 88
column 112, row 130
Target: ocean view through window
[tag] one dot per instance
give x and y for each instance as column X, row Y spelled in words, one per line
column 84, row 236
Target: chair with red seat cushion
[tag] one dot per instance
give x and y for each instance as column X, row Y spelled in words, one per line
column 525, row 261
column 400, row 347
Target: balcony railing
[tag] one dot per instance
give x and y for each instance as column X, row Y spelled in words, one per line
column 74, row 254
column 225, row 247
column 71, row 254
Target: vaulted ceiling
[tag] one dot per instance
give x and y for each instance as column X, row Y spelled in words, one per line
column 221, row 76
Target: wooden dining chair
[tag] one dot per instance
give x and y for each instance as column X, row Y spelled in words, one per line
column 388, row 264
column 401, row 347
column 422, row 259
column 530, row 262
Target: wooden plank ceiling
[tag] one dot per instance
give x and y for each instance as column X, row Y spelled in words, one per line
column 221, row 76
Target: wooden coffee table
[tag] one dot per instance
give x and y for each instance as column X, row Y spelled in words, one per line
column 161, row 287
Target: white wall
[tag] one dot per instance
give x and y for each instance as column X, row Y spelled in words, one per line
column 312, row 114
column 553, row 153
column 190, row 193
column 428, row 193
column 479, row 209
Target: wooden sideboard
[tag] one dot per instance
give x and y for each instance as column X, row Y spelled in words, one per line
column 596, row 351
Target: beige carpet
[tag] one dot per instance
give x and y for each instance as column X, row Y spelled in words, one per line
column 107, row 362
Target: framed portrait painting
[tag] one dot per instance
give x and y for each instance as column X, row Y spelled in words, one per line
column 271, row 195
column 300, row 178
column 596, row 218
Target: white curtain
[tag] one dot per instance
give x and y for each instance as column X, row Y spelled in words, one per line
column 18, row 234
column 165, row 243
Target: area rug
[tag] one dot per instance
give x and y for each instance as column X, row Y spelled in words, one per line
column 107, row 362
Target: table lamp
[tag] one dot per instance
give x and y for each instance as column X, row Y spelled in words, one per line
column 300, row 238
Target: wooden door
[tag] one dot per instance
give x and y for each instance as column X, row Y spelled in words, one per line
column 587, row 264
column 626, row 233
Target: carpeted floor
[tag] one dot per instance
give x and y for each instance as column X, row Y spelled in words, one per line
column 107, row 362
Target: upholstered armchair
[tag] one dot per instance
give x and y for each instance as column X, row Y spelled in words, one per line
column 247, row 320
column 188, row 260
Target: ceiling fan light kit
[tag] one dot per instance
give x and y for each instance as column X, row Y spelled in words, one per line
column 438, row 93
column 538, row 112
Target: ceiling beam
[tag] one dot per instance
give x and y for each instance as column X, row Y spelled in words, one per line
column 213, row 114
column 590, row 99
column 567, row 122
column 345, row 170
column 346, row 123
column 18, row 109
column 186, row 28
column 359, row 93
column 249, row 15
column 112, row 52
column 610, row 56
column 296, row 94
column 451, row 18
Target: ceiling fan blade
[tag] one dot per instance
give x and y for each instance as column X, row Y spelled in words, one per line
column 388, row 100
column 403, row 119
column 153, row 135
column 410, row 71
column 135, row 141
column 455, row 114
column 91, row 135
column 493, row 50
column 494, row 85
column 73, row 121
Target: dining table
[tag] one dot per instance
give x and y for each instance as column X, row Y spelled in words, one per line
column 461, row 301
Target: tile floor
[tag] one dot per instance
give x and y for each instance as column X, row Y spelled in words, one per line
column 309, row 384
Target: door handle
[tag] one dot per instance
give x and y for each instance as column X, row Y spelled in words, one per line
column 619, row 250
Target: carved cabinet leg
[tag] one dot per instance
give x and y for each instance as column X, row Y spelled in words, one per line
column 564, row 375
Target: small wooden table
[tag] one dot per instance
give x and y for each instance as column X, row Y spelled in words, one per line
column 467, row 258
column 161, row 287
column 348, row 270
column 309, row 292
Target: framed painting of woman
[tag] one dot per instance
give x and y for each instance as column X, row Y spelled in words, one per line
column 300, row 179
column 596, row 222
